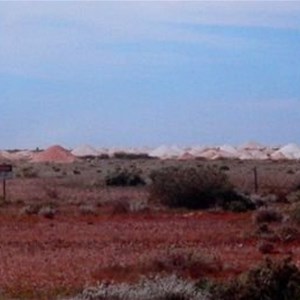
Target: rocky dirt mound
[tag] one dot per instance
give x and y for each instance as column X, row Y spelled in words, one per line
column 54, row 154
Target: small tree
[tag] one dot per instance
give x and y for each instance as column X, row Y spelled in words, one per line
column 193, row 188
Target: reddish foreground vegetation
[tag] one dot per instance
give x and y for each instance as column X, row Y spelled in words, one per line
column 94, row 235
column 41, row 258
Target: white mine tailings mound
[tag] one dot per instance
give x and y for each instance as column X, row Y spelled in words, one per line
column 85, row 151
column 247, row 151
column 165, row 152
column 289, row 151
column 16, row 155
column 54, row 154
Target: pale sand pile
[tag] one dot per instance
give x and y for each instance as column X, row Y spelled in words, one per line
column 84, row 151
column 291, row 151
column 16, row 155
column 54, row 154
column 166, row 152
column 3, row 159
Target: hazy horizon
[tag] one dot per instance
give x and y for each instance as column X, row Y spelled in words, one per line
column 149, row 73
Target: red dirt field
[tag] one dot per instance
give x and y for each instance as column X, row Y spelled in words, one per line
column 92, row 237
column 42, row 258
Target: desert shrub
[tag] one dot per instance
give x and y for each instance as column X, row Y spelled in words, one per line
column 88, row 210
column 120, row 206
column 288, row 233
column 182, row 261
column 193, row 188
column 28, row 172
column 124, row 177
column 153, row 288
column 294, row 196
column 31, row 209
column 224, row 168
column 265, row 247
column 139, row 206
column 295, row 213
column 267, row 234
column 238, row 205
column 267, row 216
column 51, row 192
column 76, row 172
column 47, row 212
column 124, row 155
column 103, row 156
column 269, row 281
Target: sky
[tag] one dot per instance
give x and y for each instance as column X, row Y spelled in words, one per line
column 133, row 74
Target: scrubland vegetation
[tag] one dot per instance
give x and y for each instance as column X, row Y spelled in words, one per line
column 136, row 228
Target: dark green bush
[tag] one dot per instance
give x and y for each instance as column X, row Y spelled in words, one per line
column 295, row 213
column 194, row 188
column 125, row 155
column 267, row 216
column 270, row 281
column 124, row 177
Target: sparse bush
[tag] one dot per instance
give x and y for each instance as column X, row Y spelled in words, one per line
column 224, row 168
column 120, row 206
column 295, row 213
column 124, row 177
column 47, row 212
column 269, row 281
column 103, row 156
column 56, row 169
column 267, row 216
column 139, row 206
column 124, row 155
column 266, row 247
column 288, row 233
column 153, row 288
column 181, row 261
column 51, row 192
column 88, row 210
column 294, row 196
column 194, row 188
column 31, row 209
column 237, row 206
column 28, row 172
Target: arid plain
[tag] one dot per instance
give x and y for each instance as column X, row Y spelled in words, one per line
column 66, row 226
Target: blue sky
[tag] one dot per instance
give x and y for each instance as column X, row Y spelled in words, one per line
column 149, row 73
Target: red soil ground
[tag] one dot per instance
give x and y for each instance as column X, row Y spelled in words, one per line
column 40, row 258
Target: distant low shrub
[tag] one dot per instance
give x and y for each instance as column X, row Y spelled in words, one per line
column 295, row 213
column 30, row 209
column 103, row 156
column 269, row 281
column 148, row 288
column 266, row 247
column 124, row 177
column 267, row 216
column 288, row 233
column 120, row 206
column 195, row 188
column 88, row 210
column 28, row 172
column 294, row 196
column 47, row 212
column 195, row 263
column 124, row 155
column 224, row 168
column 76, row 172
column 51, row 192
